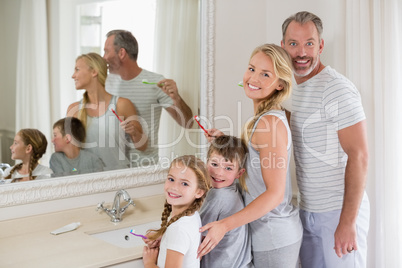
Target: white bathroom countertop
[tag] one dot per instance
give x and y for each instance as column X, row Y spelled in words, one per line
column 27, row 242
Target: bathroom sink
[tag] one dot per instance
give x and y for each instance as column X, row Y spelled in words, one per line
column 122, row 237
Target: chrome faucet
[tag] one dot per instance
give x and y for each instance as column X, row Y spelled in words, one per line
column 116, row 213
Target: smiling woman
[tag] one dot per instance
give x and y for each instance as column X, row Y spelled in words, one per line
column 106, row 134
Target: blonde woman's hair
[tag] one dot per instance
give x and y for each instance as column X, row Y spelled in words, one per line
column 97, row 63
column 203, row 183
column 38, row 142
column 233, row 149
column 283, row 71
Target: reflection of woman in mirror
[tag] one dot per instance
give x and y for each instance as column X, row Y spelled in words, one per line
column 29, row 145
column 106, row 136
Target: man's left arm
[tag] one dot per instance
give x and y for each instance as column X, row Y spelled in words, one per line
column 353, row 140
column 180, row 111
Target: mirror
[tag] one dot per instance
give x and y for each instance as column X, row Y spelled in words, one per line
column 72, row 186
column 81, row 27
column 68, row 33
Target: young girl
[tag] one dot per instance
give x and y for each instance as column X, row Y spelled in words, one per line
column 29, row 145
column 274, row 223
column 185, row 188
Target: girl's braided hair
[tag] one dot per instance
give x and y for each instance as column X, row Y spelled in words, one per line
column 203, row 183
column 38, row 142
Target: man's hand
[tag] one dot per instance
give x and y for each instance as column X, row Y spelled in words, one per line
column 345, row 239
column 170, row 88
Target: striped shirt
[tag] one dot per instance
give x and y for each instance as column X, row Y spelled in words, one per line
column 321, row 106
column 148, row 100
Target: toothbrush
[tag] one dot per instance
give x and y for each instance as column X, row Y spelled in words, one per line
column 142, row 236
column 145, row 81
column 240, row 84
column 198, row 121
column 116, row 115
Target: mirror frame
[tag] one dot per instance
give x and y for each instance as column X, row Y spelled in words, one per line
column 14, row 194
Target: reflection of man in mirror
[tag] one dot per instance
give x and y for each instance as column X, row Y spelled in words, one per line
column 331, row 153
column 147, row 90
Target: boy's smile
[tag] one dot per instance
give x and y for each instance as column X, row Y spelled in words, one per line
column 223, row 172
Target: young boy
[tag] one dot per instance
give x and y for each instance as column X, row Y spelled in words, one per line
column 69, row 158
column 226, row 160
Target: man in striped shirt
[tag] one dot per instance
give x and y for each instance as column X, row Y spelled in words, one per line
column 331, row 153
column 126, row 80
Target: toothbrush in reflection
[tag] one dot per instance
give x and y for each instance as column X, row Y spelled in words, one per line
column 145, row 81
column 198, row 121
column 116, row 115
column 142, row 236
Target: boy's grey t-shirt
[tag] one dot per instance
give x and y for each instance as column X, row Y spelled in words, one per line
column 234, row 250
column 85, row 162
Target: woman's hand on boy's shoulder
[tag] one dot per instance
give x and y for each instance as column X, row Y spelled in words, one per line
column 216, row 231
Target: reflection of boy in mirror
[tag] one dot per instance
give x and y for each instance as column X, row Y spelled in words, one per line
column 121, row 51
column 69, row 158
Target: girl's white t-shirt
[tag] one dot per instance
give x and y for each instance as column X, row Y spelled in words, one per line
column 182, row 236
column 40, row 171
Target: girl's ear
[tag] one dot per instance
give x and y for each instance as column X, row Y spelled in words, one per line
column 28, row 149
column 199, row 193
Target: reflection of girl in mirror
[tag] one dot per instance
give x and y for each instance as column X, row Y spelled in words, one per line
column 29, row 145
column 106, row 136
column 175, row 244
